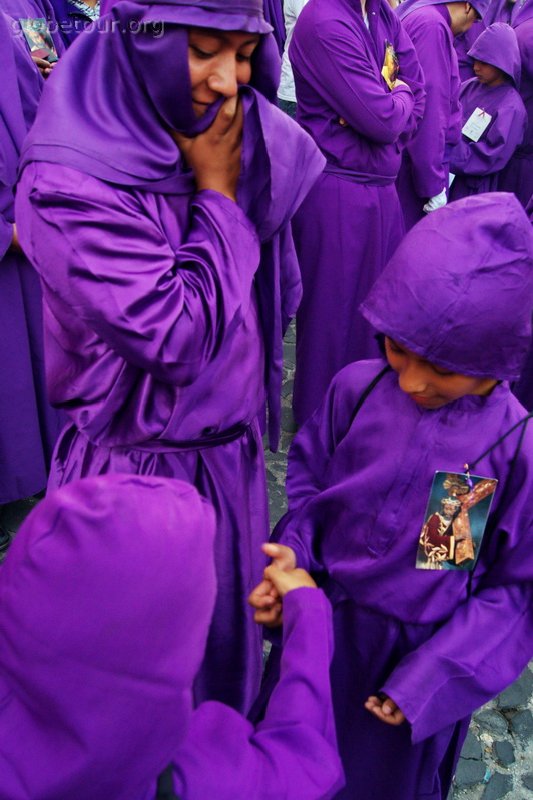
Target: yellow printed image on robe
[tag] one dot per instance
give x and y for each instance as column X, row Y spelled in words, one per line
column 391, row 65
column 455, row 521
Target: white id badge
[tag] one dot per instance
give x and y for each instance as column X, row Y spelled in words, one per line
column 476, row 124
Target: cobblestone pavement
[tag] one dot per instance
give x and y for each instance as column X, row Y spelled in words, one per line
column 497, row 758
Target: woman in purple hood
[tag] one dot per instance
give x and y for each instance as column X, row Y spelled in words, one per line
column 492, row 99
column 431, row 617
column 101, row 635
column 157, row 215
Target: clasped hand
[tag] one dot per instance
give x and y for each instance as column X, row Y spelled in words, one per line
column 280, row 577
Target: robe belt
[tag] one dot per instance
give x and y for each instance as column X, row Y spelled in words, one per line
column 206, row 440
column 359, row 177
column 523, row 151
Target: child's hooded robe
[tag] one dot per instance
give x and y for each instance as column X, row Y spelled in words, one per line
column 459, row 293
column 477, row 165
column 106, row 597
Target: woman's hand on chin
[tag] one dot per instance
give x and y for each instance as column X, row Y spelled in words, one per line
column 215, row 155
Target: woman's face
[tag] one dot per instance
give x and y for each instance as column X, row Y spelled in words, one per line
column 219, row 61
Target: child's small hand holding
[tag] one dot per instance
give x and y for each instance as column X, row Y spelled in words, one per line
column 266, row 597
column 385, row 709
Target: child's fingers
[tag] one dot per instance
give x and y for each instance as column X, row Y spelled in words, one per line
column 270, row 618
column 385, row 710
column 263, row 595
column 282, row 556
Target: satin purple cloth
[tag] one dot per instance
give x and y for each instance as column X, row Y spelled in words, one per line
column 477, row 165
column 351, row 221
column 424, row 172
column 440, row 643
column 165, row 308
column 106, row 598
column 28, row 425
column 273, row 10
column 408, row 6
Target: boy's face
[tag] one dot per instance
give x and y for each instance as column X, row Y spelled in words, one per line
column 429, row 385
column 488, row 75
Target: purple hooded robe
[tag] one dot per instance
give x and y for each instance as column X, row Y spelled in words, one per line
column 28, row 425
column 351, row 222
column 518, row 176
column 440, row 643
column 101, row 635
column 477, row 165
column 165, row 307
column 424, row 171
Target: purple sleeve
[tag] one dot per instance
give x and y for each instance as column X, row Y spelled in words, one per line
column 427, row 150
column 350, row 84
column 482, row 649
column 309, row 456
column 411, row 73
column 291, row 754
column 495, row 147
column 165, row 309
column 524, row 34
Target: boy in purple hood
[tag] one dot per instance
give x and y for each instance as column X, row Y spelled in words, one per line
column 494, row 116
column 101, row 635
column 421, row 648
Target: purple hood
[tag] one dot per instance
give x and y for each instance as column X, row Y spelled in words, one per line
column 126, row 82
column 498, row 45
column 459, row 289
column 408, row 6
column 98, row 653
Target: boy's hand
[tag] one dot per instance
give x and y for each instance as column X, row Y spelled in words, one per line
column 266, row 597
column 44, row 66
column 385, row 709
column 283, row 557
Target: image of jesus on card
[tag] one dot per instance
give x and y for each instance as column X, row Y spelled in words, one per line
column 456, row 518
